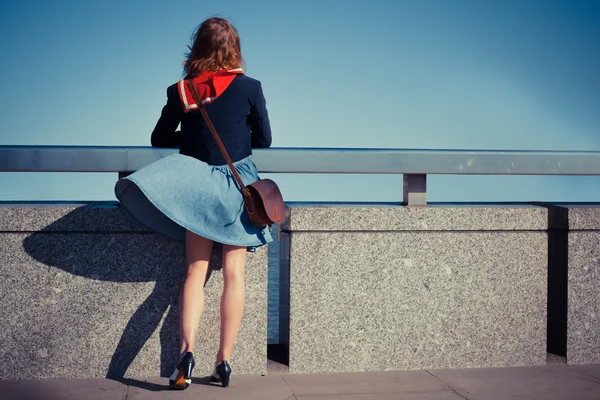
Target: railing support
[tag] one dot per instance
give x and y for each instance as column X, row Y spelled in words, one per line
column 415, row 190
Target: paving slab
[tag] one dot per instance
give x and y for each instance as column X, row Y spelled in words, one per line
column 62, row 389
column 548, row 383
column 245, row 387
column 581, row 382
column 388, row 396
column 355, row 383
column 588, row 370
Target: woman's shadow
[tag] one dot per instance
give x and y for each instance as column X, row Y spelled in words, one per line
column 112, row 247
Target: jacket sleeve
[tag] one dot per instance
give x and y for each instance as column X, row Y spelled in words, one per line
column 164, row 134
column 259, row 121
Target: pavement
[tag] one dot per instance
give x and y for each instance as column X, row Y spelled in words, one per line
column 548, row 382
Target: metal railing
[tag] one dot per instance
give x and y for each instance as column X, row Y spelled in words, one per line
column 414, row 164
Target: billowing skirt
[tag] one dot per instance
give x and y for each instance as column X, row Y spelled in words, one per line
column 179, row 192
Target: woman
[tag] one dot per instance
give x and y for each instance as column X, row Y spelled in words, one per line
column 192, row 196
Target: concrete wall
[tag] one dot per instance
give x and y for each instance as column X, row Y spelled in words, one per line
column 86, row 292
column 583, row 338
column 394, row 288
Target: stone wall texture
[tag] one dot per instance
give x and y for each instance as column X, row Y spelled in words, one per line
column 583, row 331
column 86, row 292
column 401, row 288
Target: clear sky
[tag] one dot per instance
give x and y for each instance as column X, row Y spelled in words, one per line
column 494, row 74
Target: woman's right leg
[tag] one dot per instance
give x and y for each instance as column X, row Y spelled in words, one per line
column 232, row 299
column 191, row 300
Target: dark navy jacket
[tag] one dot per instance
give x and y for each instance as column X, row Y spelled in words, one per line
column 239, row 115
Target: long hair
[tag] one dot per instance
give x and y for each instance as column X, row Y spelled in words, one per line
column 216, row 46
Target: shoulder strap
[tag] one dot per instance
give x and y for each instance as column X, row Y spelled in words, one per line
column 215, row 135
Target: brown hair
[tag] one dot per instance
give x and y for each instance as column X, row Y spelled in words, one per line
column 216, row 45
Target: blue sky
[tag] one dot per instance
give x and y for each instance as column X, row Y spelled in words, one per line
column 496, row 74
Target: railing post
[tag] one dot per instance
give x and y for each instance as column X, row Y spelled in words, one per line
column 415, row 190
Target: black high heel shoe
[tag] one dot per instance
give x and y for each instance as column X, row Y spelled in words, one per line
column 182, row 376
column 221, row 373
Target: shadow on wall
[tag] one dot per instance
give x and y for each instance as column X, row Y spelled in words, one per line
column 128, row 256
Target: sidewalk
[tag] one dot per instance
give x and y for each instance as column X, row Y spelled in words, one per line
column 546, row 382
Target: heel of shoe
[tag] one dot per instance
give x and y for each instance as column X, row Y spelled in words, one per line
column 182, row 376
column 187, row 370
column 225, row 380
column 178, row 380
column 224, row 371
column 187, row 365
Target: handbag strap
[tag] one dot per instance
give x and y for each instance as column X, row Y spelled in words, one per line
column 215, row 135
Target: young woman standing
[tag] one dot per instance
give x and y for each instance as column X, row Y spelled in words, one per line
column 192, row 196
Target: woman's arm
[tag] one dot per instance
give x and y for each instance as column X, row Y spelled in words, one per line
column 164, row 134
column 259, row 121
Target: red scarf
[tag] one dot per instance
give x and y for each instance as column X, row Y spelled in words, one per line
column 209, row 86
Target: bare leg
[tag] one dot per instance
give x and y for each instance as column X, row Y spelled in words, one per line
column 232, row 299
column 191, row 299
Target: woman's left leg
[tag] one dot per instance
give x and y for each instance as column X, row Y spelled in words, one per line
column 191, row 300
column 191, row 306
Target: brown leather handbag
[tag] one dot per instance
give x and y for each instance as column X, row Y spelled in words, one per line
column 262, row 199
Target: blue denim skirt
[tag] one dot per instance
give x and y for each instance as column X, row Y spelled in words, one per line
column 179, row 192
